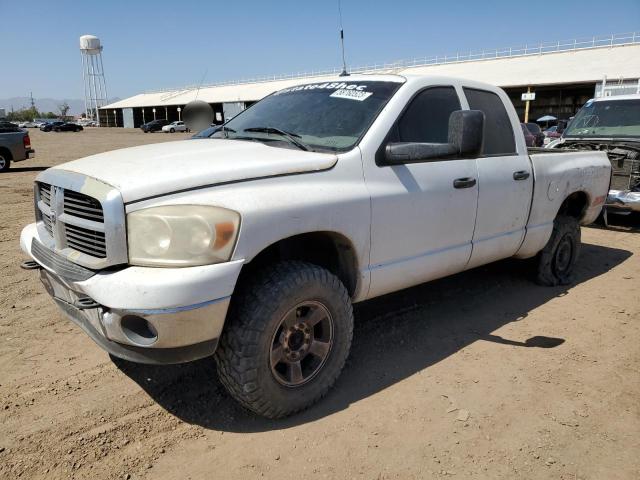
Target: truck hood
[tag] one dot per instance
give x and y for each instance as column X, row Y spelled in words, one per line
column 631, row 140
column 163, row 168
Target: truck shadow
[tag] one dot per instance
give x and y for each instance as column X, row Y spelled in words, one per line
column 25, row 169
column 395, row 337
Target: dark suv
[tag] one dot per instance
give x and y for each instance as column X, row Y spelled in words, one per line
column 154, row 125
column 536, row 131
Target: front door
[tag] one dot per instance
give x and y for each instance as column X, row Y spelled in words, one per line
column 421, row 225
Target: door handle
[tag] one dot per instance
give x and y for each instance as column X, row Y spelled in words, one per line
column 521, row 175
column 466, row 182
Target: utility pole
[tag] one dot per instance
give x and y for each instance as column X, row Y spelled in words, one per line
column 33, row 104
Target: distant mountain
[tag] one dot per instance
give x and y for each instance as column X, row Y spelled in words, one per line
column 45, row 104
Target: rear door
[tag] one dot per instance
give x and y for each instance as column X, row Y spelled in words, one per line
column 421, row 225
column 505, row 178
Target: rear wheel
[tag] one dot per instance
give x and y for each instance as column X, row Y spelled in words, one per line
column 557, row 260
column 5, row 162
column 287, row 338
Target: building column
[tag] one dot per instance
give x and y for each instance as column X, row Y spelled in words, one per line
column 526, row 106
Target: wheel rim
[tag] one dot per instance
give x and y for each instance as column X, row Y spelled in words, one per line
column 3, row 162
column 301, row 343
column 564, row 254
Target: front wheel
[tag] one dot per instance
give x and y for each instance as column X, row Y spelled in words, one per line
column 557, row 259
column 172, row 130
column 286, row 340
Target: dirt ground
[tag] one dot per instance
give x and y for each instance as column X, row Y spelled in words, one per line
column 483, row 375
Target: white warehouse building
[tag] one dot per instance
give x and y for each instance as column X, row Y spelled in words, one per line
column 563, row 75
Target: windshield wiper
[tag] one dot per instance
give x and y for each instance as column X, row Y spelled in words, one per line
column 225, row 130
column 288, row 135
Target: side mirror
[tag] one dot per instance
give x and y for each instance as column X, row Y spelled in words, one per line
column 465, row 137
column 466, row 132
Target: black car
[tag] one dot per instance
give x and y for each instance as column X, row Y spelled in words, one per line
column 68, row 127
column 154, row 125
column 47, row 127
column 536, row 131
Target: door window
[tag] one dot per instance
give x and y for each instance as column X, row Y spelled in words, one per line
column 426, row 119
column 498, row 134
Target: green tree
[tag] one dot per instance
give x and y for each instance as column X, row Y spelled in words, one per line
column 23, row 115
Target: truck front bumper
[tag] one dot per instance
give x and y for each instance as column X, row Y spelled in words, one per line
column 145, row 315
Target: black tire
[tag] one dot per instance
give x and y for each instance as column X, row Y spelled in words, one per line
column 250, row 337
column 557, row 259
column 172, row 130
column 5, row 161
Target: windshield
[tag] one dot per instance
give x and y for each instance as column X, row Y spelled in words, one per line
column 322, row 116
column 608, row 118
column 533, row 127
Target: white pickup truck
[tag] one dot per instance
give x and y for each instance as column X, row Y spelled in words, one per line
column 254, row 243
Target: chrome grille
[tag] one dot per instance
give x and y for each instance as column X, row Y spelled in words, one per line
column 83, row 206
column 81, row 228
column 80, row 218
column 45, row 193
column 46, row 219
column 85, row 240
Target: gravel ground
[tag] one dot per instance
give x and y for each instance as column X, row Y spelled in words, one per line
column 483, row 375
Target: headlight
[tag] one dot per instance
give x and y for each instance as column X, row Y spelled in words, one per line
column 181, row 235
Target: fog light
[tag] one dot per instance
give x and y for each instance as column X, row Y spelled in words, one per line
column 138, row 330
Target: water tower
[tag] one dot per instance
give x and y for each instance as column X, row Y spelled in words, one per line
column 95, row 87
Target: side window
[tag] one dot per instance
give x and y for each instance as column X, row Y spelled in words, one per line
column 498, row 134
column 427, row 117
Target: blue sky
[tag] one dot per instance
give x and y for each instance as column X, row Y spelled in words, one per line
column 158, row 44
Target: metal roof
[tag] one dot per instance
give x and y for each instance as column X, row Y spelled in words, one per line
column 516, row 67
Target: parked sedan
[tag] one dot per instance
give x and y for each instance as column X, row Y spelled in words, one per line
column 154, row 125
column 535, row 129
column 176, row 126
column 529, row 138
column 68, row 127
column 49, row 126
column 27, row 125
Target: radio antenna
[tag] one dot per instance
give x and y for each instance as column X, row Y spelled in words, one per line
column 201, row 82
column 344, row 62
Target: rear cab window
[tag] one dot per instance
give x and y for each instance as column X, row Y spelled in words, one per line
column 498, row 132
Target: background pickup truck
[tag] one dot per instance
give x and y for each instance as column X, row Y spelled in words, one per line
column 254, row 243
column 15, row 145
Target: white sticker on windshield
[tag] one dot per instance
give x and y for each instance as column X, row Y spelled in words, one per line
column 351, row 94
